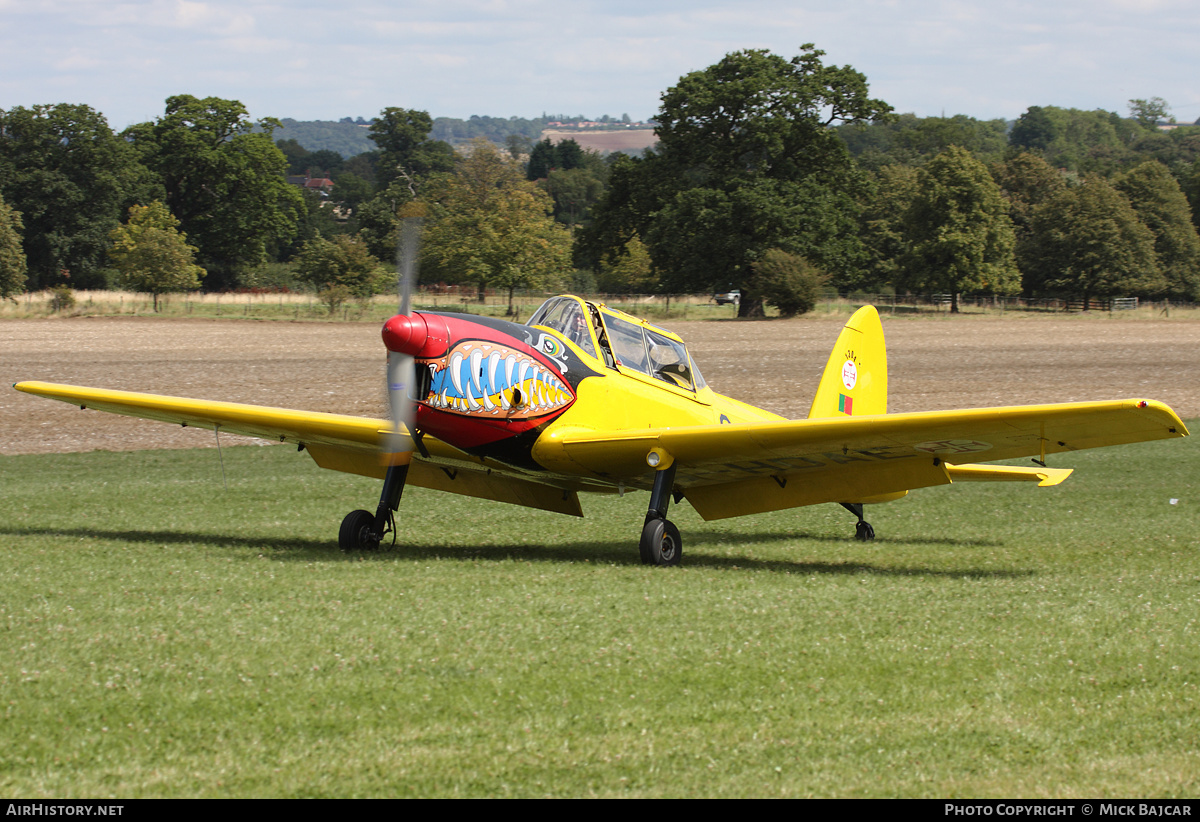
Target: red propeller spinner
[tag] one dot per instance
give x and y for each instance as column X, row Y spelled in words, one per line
column 405, row 334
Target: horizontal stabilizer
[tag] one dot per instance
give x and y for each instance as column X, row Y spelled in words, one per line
column 1044, row 477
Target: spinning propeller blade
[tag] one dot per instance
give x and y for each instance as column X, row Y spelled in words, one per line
column 401, row 368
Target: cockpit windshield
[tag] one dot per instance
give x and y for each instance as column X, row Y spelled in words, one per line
column 654, row 354
column 565, row 315
column 627, row 344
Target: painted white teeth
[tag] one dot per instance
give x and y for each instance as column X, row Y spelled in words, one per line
column 456, row 372
column 476, row 359
column 495, row 377
column 493, row 364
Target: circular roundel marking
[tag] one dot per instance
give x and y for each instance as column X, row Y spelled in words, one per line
column 849, row 375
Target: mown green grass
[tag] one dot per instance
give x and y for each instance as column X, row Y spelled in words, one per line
column 165, row 637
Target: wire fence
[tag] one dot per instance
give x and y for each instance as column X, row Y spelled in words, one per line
column 283, row 305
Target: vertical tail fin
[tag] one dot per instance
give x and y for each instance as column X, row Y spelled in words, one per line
column 855, row 378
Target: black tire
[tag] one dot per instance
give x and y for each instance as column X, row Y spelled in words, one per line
column 660, row 543
column 864, row 532
column 674, row 535
column 649, row 536
column 358, row 532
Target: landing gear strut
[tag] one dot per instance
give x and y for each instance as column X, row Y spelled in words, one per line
column 863, row 531
column 661, row 543
column 362, row 530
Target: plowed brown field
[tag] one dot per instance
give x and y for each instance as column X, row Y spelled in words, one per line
column 935, row 363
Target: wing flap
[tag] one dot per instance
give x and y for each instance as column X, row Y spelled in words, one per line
column 470, row 482
column 842, row 483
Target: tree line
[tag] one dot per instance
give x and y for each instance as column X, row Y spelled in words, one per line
column 777, row 176
column 783, row 176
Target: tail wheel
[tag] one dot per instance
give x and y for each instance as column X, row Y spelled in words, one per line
column 864, row 532
column 358, row 532
column 661, row 543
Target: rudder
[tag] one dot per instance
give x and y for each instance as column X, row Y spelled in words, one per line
column 855, row 379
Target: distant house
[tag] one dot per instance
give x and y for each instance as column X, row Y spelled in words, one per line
column 322, row 185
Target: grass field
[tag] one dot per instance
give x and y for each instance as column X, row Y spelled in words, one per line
column 164, row 636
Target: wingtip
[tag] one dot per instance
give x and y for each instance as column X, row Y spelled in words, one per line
column 1175, row 426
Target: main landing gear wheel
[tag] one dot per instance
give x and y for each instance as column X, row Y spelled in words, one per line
column 660, row 543
column 358, row 532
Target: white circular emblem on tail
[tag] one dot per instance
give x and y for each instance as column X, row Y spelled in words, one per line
column 849, row 375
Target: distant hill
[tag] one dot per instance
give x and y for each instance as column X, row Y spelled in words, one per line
column 345, row 137
column 350, row 137
column 496, row 129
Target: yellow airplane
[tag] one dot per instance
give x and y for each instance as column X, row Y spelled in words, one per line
column 585, row 398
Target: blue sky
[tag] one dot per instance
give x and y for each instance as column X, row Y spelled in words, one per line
column 326, row 60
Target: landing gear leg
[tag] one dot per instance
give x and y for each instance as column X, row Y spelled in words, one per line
column 362, row 530
column 863, row 531
column 661, row 543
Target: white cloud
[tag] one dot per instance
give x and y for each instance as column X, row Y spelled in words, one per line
column 310, row 59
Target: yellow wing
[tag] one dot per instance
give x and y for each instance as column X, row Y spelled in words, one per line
column 336, row 441
column 730, row 470
column 723, row 470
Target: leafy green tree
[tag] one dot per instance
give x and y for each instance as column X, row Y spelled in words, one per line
column 911, row 140
column 883, row 227
column 1075, row 140
column 1160, row 203
column 746, row 162
column 350, row 190
column 324, row 163
column 490, row 226
column 629, row 271
column 1027, row 181
column 959, row 234
column 12, row 255
column 788, row 282
column 1088, row 241
column 1177, row 149
column 1149, row 113
column 363, row 166
column 543, row 158
column 319, row 219
column 223, row 180
column 570, row 154
column 574, row 192
column 407, row 152
column 408, row 157
column 518, row 145
column 340, row 269
column 296, row 155
column 1035, row 130
column 152, row 255
column 70, row 177
column 1190, row 183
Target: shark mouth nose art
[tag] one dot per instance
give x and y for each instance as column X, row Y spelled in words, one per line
column 484, row 379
